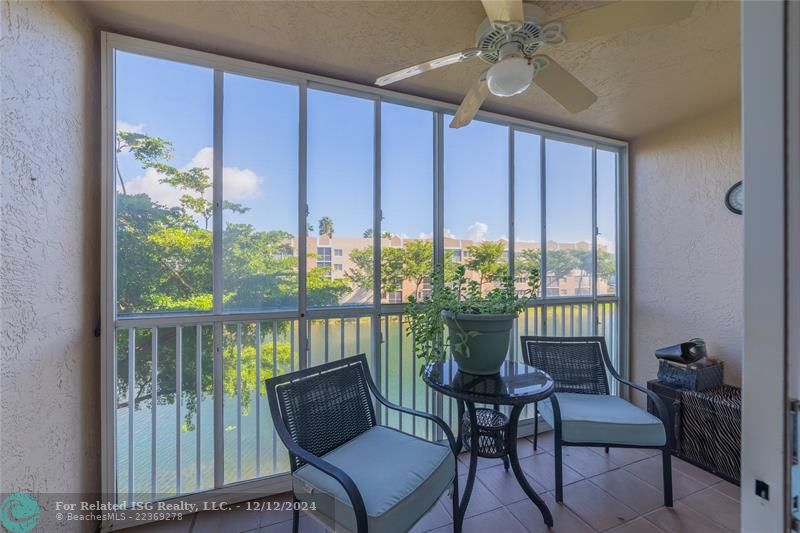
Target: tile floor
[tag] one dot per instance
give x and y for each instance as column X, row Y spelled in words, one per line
column 619, row 492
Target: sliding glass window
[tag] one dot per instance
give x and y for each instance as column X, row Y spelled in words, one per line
column 259, row 194
column 260, row 222
column 476, row 201
column 341, row 171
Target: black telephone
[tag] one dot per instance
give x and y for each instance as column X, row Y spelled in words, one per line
column 686, row 353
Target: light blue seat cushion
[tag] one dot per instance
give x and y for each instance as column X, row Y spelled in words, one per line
column 604, row 418
column 400, row 477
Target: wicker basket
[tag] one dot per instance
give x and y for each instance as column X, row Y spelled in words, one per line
column 695, row 378
column 492, row 427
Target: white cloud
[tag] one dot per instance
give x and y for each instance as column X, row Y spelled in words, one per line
column 149, row 184
column 130, row 128
column 477, row 231
column 447, row 233
column 239, row 184
column 605, row 243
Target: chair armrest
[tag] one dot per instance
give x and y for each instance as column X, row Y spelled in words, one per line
column 433, row 418
column 663, row 412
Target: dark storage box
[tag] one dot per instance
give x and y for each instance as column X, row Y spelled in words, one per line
column 695, row 378
column 711, row 428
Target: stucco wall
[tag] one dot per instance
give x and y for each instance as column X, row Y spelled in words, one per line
column 49, row 384
column 686, row 247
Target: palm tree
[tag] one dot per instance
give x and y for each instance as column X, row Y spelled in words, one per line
column 326, row 227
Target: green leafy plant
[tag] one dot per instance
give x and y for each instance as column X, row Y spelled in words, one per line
column 461, row 296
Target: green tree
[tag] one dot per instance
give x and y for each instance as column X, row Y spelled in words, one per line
column 606, row 265
column 165, row 264
column 326, row 226
column 584, row 261
column 561, row 263
column 528, row 264
column 418, row 263
column 486, row 258
column 392, row 275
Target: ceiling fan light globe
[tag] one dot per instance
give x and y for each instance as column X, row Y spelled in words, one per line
column 509, row 76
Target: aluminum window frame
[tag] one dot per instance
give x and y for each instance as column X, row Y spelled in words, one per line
column 111, row 42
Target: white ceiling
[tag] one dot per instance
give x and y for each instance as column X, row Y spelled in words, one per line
column 644, row 79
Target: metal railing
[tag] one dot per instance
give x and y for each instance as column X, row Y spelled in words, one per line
column 166, row 428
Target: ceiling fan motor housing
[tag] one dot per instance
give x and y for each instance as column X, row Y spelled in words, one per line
column 490, row 38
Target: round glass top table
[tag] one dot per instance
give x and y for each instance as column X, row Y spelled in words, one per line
column 516, row 385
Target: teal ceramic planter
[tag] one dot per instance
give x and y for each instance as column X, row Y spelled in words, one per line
column 487, row 338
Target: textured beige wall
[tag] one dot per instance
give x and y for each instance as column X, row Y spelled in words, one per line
column 686, row 247
column 49, row 384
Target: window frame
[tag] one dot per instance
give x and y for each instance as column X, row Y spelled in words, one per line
column 111, row 42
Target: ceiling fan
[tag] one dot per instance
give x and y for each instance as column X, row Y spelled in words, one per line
column 509, row 40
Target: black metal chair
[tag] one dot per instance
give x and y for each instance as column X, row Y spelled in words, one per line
column 356, row 473
column 582, row 411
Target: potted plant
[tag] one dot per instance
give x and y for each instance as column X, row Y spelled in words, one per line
column 478, row 323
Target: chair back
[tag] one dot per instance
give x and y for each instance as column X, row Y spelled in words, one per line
column 324, row 406
column 576, row 364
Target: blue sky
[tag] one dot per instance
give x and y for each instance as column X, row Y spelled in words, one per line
column 260, row 159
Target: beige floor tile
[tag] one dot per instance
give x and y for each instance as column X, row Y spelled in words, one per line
column 706, row 478
column 307, row 525
column 682, row 519
column 630, row 490
column 626, row 456
column 481, row 499
column 504, row 485
column 564, row 520
column 640, row 525
column 715, row 505
column 541, row 467
column 596, row 507
column 271, row 516
column 729, row 489
column 436, row 518
column 168, row 526
column 586, row 462
column 497, row 521
column 545, row 442
column 463, row 459
column 649, row 470
column 525, row 448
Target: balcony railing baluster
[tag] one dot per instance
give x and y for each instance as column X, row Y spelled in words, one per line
column 258, row 393
column 198, row 402
column 178, row 395
column 398, row 369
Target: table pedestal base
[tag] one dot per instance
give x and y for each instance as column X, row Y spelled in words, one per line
column 509, row 455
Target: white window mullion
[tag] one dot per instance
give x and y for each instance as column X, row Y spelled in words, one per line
column 219, row 471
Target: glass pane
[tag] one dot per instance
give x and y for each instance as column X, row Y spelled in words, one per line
column 569, row 219
column 260, row 177
column 331, row 339
column 606, row 222
column 407, row 197
column 252, row 353
column 476, row 200
column 163, row 142
column 340, row 199
column 527, row 212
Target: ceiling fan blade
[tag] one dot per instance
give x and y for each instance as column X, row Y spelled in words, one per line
column 561, row 85
column 471, row 103
column 503, row 10
column 623, row 16
column 458, row 57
